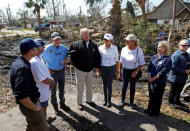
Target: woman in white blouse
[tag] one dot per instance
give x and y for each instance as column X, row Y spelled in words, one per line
column 109, row 62
column 131, row 62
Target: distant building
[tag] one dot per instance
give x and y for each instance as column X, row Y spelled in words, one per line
column 62, row 20
column 163, row 14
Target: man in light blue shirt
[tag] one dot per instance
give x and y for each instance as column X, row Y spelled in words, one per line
column 160, row 37
column 55, row 57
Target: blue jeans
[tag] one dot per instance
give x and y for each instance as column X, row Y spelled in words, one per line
column 44, row 104
column 126, row 75
column 59, row 77
column 107, row 74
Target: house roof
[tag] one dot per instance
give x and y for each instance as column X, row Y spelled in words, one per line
column 185, row 4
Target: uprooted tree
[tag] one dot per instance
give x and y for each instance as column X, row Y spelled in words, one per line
column 115, row 19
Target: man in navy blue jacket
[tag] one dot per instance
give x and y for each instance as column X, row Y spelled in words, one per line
column 178, row 74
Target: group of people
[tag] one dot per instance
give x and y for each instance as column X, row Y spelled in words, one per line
column 37, row 72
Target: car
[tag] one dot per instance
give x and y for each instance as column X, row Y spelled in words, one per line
column 44, row 27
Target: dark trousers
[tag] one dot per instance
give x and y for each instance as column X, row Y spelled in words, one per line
column 126, row 75
column 59, row 77
column 107, row 74
column 175, row 91
column 155, row 98
column 35, row 120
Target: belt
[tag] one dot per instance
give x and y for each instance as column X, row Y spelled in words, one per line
column 108, row 66
column 56, row 70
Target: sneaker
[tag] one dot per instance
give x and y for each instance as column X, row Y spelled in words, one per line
column 64, row 107
column 153, row 114
column 80, row 107
column 104, row 103
column 91, row 104
column 172, row 105
column 109, row 104
column 147, row 111
column 181, row 105
column 57, row 112
column 51, row 119
column 132, row 106
column 122, row 104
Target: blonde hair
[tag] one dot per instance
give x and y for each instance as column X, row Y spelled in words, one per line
column 164, row 44
column 84, row 30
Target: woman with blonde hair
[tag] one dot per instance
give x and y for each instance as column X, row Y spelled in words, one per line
column 131, row 63
column 158, row 68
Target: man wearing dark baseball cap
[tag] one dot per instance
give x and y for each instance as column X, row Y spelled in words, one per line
column 42, row 77
column 24, row 87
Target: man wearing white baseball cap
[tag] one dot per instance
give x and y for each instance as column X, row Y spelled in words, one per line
column 109, row 64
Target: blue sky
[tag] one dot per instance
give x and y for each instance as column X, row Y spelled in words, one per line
column 72, row 5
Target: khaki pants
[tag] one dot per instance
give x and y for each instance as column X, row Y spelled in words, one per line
column 35, row 120
column 81, row 79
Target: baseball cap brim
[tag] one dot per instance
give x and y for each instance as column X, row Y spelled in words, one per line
column 57, row 37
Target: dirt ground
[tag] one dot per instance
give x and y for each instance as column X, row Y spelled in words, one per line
column 9, row 51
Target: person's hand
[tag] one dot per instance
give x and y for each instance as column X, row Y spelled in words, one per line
column 187, row 72
column 119, row 75
column 116, row 74
column 37, row 107
column 97, row 72
column 150, row 80
column 51, row 71
column 134, row 74
column 52, row 83
column 66, row 61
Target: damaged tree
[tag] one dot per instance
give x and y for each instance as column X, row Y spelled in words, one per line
column 142, row 6
column 37, row 5
column 115, row 22
column 115, row 19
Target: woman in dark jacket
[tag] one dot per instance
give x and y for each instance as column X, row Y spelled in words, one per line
column 158, row 68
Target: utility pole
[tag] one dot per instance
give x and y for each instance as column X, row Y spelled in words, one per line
column 174, row 13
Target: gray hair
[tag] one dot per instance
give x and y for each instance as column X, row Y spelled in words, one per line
column 84, row 30
column 182, row 41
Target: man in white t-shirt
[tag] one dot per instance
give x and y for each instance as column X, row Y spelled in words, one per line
column 42, row 77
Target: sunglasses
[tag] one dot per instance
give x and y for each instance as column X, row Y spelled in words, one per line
column 184, row 45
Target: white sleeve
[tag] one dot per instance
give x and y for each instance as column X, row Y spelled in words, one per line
column 141, row 57
column 121, row 56
column 116, row 54
column 38, row 72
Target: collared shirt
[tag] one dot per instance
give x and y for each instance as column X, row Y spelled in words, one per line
column 22, row 81
column 160, row 66
column 40, row 73
column 109, row 57
column 83, row 58
column 131, row 59
column 53, row 56
column 180, row 63
column 87, row 44
column 161, row 34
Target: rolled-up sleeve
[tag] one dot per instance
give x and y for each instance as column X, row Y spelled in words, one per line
column 21, row 81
